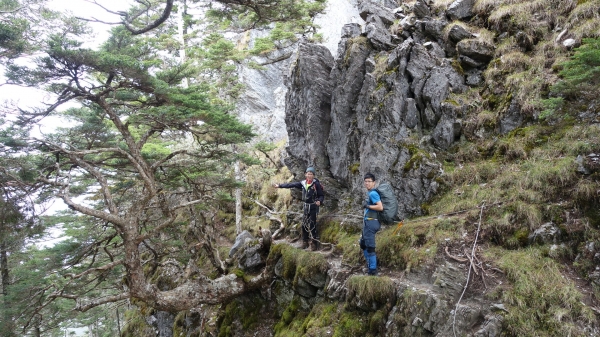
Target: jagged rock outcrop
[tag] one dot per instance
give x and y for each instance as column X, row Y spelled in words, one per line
column 262, row 102
column 308, row 107
column 392, row 99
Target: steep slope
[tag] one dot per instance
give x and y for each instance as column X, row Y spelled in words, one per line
column 448, row 101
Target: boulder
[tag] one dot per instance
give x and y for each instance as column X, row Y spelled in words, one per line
column 546, row 233
column 476, row 49
column 379, row 37
column 458, row 33
column 421, row 9
column 240, row 241
column 367, row 8
column 460, row 9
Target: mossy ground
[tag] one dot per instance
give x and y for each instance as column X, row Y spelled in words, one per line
column 241, row 315
column 330, row 319
column 297, row 263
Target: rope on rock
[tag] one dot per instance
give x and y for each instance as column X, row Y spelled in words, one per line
column 470, row 267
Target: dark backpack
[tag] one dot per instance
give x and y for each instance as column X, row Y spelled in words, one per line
column 389, row 215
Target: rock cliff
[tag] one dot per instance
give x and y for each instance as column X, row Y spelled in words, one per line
column 391, row 96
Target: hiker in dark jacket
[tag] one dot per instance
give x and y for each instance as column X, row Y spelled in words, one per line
column 371, row 226
column 312, row 196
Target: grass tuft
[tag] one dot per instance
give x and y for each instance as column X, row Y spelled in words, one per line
column 369, row 289
column 541, row 302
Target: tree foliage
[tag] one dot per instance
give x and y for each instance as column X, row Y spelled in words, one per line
column 25, row 23
column 581, row 74
column 145, row 158
column 143, row 161
column 580, row 80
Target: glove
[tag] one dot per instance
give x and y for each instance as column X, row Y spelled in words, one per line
column 365, row 203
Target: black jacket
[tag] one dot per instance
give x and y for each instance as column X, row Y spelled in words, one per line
column 311, row 193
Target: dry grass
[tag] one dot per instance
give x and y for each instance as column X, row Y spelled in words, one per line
column 485, row 35
column 527, row 74
column 439, row 5
column 524, row 171
column 520, row 14
column 381, row 61
column 486, row 119
column 516, row 60
column 541, row 301
column 506, row 46
column 588, row 28
column 586, row 190
column 486, row 6
column 588, row 10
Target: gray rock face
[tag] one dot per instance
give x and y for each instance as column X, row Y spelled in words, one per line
column 460, row 9
column 247, row 251
column 458, row 33
column 162, row 322
column 262, row 103
column 546, row 233
column 383, row 107
column 422, row 305
column 337, row 14
column 379, row 36
column 367, row 9
column 477, row 50
column 421, row 9
column 431, row 309
column 240, row 241
column 308, row 105
column 512, row 119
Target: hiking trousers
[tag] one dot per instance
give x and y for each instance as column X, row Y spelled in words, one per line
column 367, row 243
column 309, row 222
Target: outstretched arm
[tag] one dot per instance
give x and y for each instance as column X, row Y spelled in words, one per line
column 289, row 185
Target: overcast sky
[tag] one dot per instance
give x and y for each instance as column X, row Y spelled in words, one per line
column 28, row 97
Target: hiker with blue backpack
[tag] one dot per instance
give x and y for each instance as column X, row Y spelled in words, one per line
column 372, row 205
column 312, row 196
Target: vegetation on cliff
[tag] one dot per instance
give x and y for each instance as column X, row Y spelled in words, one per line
column 517, row 210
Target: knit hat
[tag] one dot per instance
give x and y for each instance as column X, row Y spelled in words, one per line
column 311, row 169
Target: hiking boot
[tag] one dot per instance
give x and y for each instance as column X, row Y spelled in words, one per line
column 372, row 272
column 304, row 244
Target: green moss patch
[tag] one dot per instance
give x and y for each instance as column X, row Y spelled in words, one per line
column 372, row 292
column 242, row 313
column 297, row 262
column 331, row 319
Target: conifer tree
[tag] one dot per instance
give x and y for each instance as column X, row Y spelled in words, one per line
column 145, row 157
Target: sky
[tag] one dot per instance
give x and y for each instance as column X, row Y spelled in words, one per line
column 29, row 97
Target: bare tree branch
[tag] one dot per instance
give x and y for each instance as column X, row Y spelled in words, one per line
column 88, row 271
column 97, row 302
column 13, row 11
column 127, row 20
